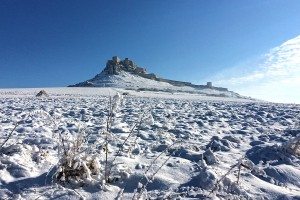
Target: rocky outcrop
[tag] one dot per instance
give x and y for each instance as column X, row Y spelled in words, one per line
column 116, row 65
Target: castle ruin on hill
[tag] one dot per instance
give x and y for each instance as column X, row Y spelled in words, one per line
column 116, row 65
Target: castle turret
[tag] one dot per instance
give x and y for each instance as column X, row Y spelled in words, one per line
column 209, row 84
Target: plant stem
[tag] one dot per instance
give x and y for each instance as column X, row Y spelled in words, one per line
column 9, row 136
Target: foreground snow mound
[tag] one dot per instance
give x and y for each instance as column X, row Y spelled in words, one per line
column 84, row 144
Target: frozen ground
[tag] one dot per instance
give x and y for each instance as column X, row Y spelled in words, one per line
column 160, row 146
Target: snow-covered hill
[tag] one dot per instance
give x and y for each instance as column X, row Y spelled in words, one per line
column 127, row 75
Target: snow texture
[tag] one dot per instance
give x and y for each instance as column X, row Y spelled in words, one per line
column 160, row 145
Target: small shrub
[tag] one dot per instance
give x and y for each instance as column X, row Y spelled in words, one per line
column 77, row 165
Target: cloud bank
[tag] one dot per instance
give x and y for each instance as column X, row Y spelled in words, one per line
column 274, row 77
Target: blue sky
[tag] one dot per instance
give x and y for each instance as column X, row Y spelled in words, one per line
column 59, row 42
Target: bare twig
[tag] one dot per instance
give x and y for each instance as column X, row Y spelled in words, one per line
column 137, row 124
column 9, row 135
column 239, row 172
column 108, row 127
column 217, row 183
column 153, row 161
column 152, row 177
column 149, row 167
column 239, row 163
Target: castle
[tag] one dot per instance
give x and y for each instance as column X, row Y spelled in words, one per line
column 115, row 66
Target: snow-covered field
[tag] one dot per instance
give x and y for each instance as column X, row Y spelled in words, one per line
column 156, row 146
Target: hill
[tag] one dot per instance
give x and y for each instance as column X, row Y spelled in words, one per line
column 128, row 75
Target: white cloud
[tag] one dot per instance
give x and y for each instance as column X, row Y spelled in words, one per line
column 275, row 78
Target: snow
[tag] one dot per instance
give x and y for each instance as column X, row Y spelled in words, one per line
column 161, row 145
column 131, row 81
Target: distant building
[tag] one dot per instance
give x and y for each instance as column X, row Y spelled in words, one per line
column 209, row 84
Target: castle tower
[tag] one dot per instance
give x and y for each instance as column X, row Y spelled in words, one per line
column 209, row 84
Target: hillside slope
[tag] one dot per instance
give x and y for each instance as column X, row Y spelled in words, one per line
column 127, row 75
